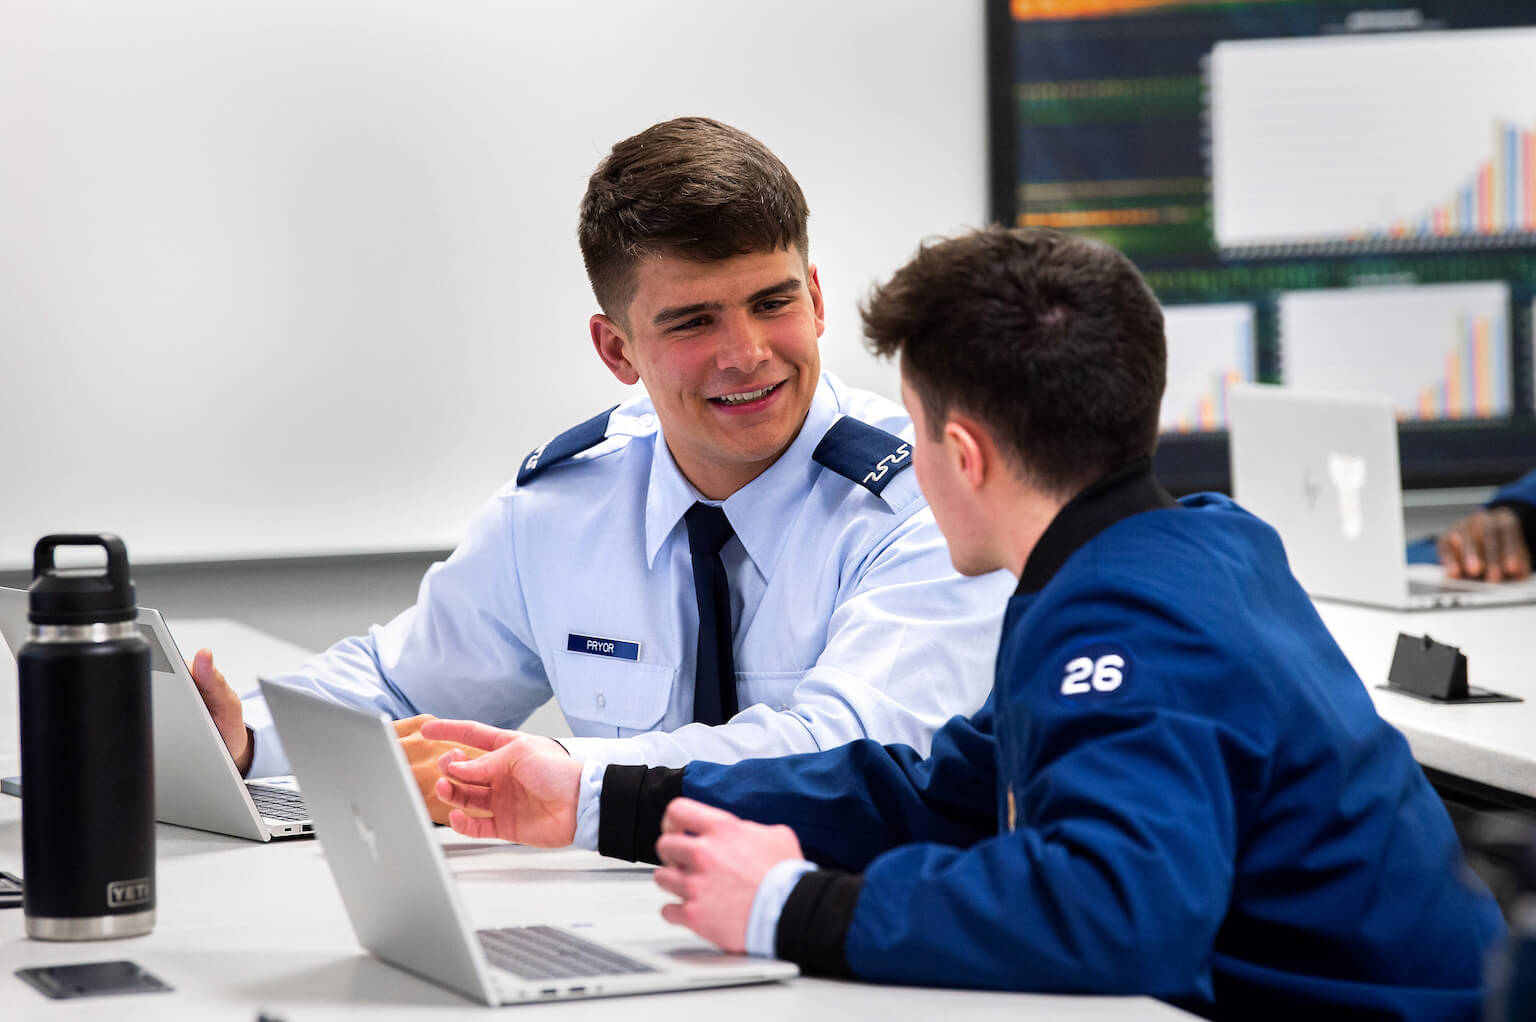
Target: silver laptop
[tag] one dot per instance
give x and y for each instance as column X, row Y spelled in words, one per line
column 1323, row 470
column 196, row 783
column 401, row 898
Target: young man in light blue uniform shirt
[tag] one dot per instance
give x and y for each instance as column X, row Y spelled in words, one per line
column 577, row 579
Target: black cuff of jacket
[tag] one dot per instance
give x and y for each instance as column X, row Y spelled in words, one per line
column 813, row 928
column 630, row 810
column 1524, row 511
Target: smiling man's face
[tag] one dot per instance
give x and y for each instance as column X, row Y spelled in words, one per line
column 728, row 352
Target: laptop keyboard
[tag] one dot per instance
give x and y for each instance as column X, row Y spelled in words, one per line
column 279, row 803
column 543, row 952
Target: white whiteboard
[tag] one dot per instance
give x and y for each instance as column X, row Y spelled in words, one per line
column 284, row 278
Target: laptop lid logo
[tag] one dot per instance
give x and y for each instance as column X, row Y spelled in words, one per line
column 1348, row 474
column 370, row 838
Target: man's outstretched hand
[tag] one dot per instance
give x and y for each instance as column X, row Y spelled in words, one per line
column 423, row 754
column 714, row 862
column 525, row 789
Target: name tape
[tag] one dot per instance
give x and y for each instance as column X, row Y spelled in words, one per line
column 594, row 645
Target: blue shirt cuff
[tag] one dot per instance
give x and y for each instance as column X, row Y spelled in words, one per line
column 268, row 759
column 588, row 799
column 768, row 904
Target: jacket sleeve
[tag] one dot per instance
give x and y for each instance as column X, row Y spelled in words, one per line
column 846, row 805
column 1522, row 490
column 1520, row 497
column 909, row 645
column 464, row 650
column 1117, row 884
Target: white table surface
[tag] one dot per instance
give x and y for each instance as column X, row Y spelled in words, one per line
column 1491, row 743
column 245, row 928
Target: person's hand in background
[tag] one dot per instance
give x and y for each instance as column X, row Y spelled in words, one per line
column 1488, row 545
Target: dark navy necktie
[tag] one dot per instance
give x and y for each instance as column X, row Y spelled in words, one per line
column 714, row 676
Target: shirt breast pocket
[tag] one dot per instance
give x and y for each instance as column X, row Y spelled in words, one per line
column 614, row 693
column 774, row 689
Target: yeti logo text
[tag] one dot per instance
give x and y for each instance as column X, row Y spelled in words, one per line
column 123, row 893
column 1348, row 474
column 885, row 464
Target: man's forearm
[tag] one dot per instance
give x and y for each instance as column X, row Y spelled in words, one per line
column 806, row 924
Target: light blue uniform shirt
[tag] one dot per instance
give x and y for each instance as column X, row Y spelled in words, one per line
column 850, row 621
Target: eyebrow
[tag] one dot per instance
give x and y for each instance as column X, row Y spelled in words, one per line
column 667, row 315
column 672, row 312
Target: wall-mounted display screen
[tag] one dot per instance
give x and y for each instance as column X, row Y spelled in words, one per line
column 1330, row 195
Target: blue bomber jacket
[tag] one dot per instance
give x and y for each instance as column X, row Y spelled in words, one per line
column 1179, row 787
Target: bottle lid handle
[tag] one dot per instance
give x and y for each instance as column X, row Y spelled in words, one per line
column 117, row 554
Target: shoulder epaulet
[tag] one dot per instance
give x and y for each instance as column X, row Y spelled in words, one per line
column 866, row 454
column 573, row 441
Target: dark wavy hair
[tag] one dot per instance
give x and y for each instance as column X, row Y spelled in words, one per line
column 1054, row 342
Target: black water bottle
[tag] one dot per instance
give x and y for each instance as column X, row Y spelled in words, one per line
column 87, row 759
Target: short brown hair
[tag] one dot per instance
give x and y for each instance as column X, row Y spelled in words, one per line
column 1052, row 341
column 688, row 187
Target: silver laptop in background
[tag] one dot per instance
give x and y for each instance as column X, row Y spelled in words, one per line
column 400, row 896
column 1323, row 470
column 196, row 783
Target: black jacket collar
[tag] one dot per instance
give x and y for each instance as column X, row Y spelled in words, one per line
column 1123, row 493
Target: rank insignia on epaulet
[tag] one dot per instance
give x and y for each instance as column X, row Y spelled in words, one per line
column 866, row 454
column 573, row 441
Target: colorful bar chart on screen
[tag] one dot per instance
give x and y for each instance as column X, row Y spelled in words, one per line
column 1499, row 197
column 1210, row 347
column 1368, row 149
column 1440, row 351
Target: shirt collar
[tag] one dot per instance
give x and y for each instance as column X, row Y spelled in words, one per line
column 1119, row 495
column 760, row 510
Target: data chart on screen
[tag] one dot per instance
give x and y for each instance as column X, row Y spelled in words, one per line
column 1441, row 352
column 1210, row 347
column 1389, row 142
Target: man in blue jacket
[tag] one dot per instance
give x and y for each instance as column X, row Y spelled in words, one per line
column 1178, row 787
